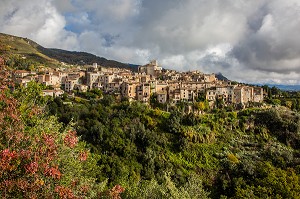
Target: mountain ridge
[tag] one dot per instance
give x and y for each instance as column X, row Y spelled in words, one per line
column 14, row 45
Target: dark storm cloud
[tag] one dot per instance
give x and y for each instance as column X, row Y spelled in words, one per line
column 215, row 62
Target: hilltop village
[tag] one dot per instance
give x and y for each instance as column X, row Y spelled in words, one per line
column 168, row 86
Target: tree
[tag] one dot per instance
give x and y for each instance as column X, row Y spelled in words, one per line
column 289, row 104
column 268, row 90
column 38, row 157
column 271, row 182
column 199, row 106
column 192, row 189
column 153, row 100
column 174, row 122
column 275, row 91
column 220, row 103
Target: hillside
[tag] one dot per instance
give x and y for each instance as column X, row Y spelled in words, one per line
column 12, row 46
column 79, row 58
column 252, row 153
column 221, row 77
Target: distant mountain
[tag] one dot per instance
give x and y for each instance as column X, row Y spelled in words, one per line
column 10, row 45
column 221, row 77
column 79, row 58
column 286, row 87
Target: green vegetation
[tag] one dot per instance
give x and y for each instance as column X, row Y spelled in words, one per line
column 252, row 153
column 22, row 53
column 132, row 150
column 39, row 156
column 289, row 99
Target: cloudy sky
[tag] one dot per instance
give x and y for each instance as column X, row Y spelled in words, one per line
column 255, row 41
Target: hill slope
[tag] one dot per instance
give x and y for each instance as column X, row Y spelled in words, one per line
column 12, row 45
column 221, row 77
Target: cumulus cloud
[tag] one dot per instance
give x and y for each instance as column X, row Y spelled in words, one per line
column 193, row 25
column 249, row 41
column 38, row 20
column 273, row 46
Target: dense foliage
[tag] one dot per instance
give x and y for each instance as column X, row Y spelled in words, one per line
column 289, row 99
column 39, row 157
column 156, row 151
column 252, row 153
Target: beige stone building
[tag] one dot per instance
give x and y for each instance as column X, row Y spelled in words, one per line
column 69, row 84
column 62, row 75
column 20, row 73
column 53, row 93
column 150, row 69
column 210, row 78
column 258, row 94
column 226, row 93
column 23, row 81
column 160, row 86
column 128, row 89
column 162, row 96
column 81, row 87
column 211, row 94
column 187, row 94
column 51, row 80
column 243, row 94
column 143, row 92
column 112, row 86
column 91, row 78
column 234, row 94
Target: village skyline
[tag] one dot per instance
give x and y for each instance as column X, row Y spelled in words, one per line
column 150, row 82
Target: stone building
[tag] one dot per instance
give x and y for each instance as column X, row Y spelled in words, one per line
column 150, row 69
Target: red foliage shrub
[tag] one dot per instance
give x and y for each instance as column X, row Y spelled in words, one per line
column 83, row 156
column 34, row 156
column 71, row 139
column 53, row 172
column 115, row 192
column 32, row 167
column 64, row 192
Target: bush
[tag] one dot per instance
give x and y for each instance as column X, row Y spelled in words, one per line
column 38, row 157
